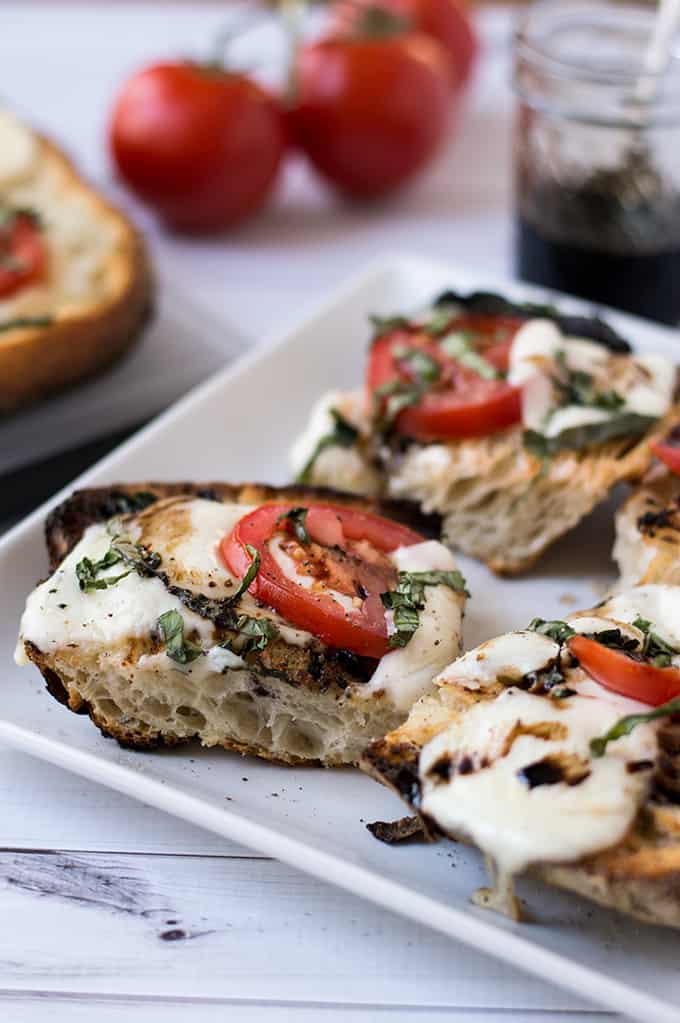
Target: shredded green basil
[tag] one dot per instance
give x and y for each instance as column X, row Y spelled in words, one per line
column 343, row 435
column 628, row 424
column 655, row 649
column 258, row 632
column 88, row 570
column 557, row 630
column 400, row 394
column 297, row 518
column 171, row 629
column 626, row 725
column 459, row 346
column 439, row 319
column 249, row 576
column 419, row 363
column 26, row 321
column 385, row 324
column 408, row 600
column 575, row 387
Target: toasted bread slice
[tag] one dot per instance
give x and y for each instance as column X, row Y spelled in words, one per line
column 292, row 699
column 639, row 874
column 98, row 289
column 498, row 503
column 647, row 546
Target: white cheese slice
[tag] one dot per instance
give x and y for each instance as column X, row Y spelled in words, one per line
column 508, row 657
column 646, row 388
column 490, row 800
column 405, row 673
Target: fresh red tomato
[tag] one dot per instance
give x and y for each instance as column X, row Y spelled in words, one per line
column 347, row 553
column 371, row 111
column 459, row 403
column 23, row 253
column 624, row 675
column 200, row 144
column 668, row 450
column 447, row 21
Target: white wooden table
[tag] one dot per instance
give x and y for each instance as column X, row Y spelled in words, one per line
column 113, row 910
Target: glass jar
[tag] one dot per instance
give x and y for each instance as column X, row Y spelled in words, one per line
column 597, row 162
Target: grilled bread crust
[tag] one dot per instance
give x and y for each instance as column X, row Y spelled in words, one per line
column 647, row 546
column 84, row 337
column 503, row 506
column 640, row 876
column 309, row 679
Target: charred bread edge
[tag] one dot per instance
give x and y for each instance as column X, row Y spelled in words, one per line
column 68, row 521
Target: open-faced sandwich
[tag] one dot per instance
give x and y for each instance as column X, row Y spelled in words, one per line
column 295, row 624
column 75, row 285
column 647, row 547
column 510, row 421
column 555, row 751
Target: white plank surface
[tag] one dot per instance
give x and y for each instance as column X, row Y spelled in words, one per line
column 82, row 925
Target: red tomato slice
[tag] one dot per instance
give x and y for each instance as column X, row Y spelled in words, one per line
column 347, row 553
column 461, row 403
column 23, row 254
column 623, row 675
column 668, row 450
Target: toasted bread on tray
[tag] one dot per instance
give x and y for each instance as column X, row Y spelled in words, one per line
column 500, row 756
column 95, row 292
column 505, row 492
column 240, row 675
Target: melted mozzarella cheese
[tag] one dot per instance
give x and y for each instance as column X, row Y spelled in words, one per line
column 405, row 673
column 59, row 613
column 647, row 389
column 508, row 658
column 492, row 802
column 658, row 603
column 345, row 468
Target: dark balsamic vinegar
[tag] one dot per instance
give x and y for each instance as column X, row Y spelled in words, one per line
column 645, row 283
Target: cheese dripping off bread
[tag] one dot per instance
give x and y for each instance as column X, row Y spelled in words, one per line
column 521, row 752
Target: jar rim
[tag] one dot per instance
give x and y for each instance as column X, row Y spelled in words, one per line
column 531, row 46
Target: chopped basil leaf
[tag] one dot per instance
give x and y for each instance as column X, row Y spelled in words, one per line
column 574, row 387
column 258, row 632
column 655, row 649
column 88, row 570
column 297, row 517
column 171, row 629
column 440, row 319
column 400, row 394
column 628, row 424
column 419, row 363
column 250, row 574
column 26, row 321
column 557, row 630
column 626, row 725
column 459, row 347
column 408, row 600
column 344, row 435
column 384, row 324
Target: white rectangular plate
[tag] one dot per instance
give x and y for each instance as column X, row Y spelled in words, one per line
column 240, row 426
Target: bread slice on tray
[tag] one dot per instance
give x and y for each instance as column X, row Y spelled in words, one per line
column 518, row 752
column 142, row 625
column 585, row 410
column 77, row 297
